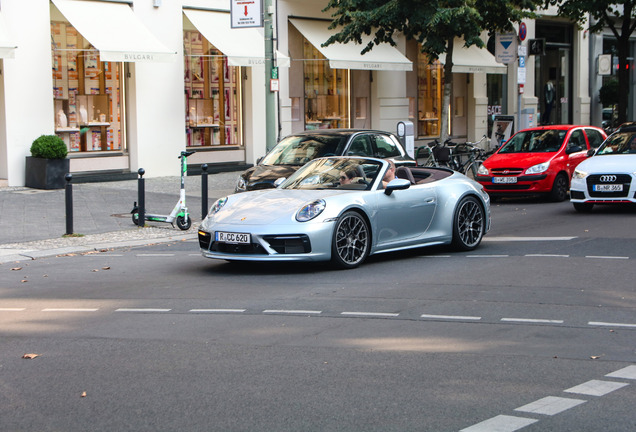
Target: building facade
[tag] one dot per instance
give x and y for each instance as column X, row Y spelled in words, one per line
column 128, row 84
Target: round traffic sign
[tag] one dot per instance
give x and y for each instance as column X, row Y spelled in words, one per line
column 523, row 31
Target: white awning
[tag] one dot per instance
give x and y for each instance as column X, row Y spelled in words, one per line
column 115, row 31
column 7, row 48
column 473, row 60
column 242, row 47
column 347, row 56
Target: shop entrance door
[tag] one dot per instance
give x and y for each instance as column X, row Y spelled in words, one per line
column 554, row 89
column 361, row 99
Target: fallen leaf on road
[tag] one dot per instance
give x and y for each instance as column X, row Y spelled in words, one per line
column 595, row 357
column 106, row 268
column 95, row 270
column 83, row 394
column 16, row 268
column 30, row 356
column 24, row 280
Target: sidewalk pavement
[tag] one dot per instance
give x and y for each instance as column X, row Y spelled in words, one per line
column 33, row 221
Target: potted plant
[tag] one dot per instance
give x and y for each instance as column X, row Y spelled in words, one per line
column 47, row 165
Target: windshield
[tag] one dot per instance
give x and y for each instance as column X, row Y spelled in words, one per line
column 619, row 143
column 300, row 149
column 335, row 173
column 535, row 141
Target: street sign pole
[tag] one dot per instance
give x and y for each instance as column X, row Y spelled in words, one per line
column 270, row 96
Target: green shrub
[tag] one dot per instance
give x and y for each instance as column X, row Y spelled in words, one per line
column 49, row 147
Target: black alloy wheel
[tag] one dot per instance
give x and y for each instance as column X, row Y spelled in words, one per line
column 559, row 190
column 469, row 224
column 351, row 241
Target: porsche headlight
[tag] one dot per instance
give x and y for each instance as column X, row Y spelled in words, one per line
column 578, row 174
column 310, row 211
column 482, row 170
column 539, row 168
column 217, row 206
column 241, row 184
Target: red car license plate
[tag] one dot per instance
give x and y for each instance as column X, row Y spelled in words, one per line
column 504, row 179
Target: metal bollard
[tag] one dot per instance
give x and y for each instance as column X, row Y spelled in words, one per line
column 141, row 198
column 204, row 191
column 69, row 203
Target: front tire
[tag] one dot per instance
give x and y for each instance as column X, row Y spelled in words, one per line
column 351, row 241
column 469, row 224
column 184, row 223
column 559, row 190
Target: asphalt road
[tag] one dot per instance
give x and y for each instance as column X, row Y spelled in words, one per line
column 535, row 330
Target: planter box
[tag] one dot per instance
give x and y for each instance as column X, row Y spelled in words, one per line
column 46, row 173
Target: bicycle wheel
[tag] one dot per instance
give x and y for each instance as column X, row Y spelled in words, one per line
column 473, row 169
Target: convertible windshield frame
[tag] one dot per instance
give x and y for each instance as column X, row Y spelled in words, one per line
column 535, row 141
column 344, row 173
column 300, row 149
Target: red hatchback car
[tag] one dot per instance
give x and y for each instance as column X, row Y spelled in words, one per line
column 539, row 160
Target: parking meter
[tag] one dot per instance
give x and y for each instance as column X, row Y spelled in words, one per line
column 406, row 134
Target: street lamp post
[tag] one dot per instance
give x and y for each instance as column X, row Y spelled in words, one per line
column 270, row 96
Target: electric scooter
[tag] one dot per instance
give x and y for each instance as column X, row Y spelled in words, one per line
column 179, row 213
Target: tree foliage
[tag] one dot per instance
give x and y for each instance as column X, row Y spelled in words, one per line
column 433, row 23
column 619, row 17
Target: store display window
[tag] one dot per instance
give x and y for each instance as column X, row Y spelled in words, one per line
column 326, row 92
column 86, row 93
column 430, row 87
column 213, row 95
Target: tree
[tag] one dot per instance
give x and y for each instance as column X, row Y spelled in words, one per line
column 619, row 18
column 433, row 23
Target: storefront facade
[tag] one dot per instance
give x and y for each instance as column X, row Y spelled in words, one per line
column 128, row 84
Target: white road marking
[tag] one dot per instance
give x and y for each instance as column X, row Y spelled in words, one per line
column 370, row 314
column 596, row 388
column 435, row 256
column 532, row 320
column 550, row 405
column 12, row 309
column 487, row 256
column 287, row 311
column 516, row 239
column 155, row 255
column 451, row 317
column 70, row 310
column 141, row 310
column 501, row 423
column 607, row 257
column 608, row 324
column 217, row 310
column 548, row 255
column 627, row 373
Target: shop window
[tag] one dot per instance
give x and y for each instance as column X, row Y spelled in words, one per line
column 326, row 92
column 213, row 95
column 361, row 108
column 430, row 83
column 86, row 92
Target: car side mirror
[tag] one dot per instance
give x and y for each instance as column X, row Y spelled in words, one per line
column 258, row 161
column 396, row 184
column 591, row 152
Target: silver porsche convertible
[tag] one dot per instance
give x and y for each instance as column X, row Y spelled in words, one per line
column 344, row 209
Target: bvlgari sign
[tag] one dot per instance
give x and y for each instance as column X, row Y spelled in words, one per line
column 246, row 13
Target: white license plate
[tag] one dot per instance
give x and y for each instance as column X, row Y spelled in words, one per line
column 504, row 179
column 230, row 237
column 608, row 188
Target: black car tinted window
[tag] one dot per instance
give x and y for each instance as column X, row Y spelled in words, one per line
column 300, row 149
column 386, row 147
column 594, row 137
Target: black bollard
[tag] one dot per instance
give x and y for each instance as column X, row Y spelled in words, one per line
column 204, row 191
column 141, row 198
column 69, row 204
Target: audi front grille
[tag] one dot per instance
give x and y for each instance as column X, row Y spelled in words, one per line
column 608, row 179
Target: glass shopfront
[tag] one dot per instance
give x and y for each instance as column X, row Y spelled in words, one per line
column 326, row 92
column 87, row 94
column 213, row 95
column 430, row 88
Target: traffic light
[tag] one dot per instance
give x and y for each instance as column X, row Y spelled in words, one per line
column 629, row 64
column 536, row 47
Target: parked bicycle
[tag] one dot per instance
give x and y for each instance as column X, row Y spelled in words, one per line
column 464, row 158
